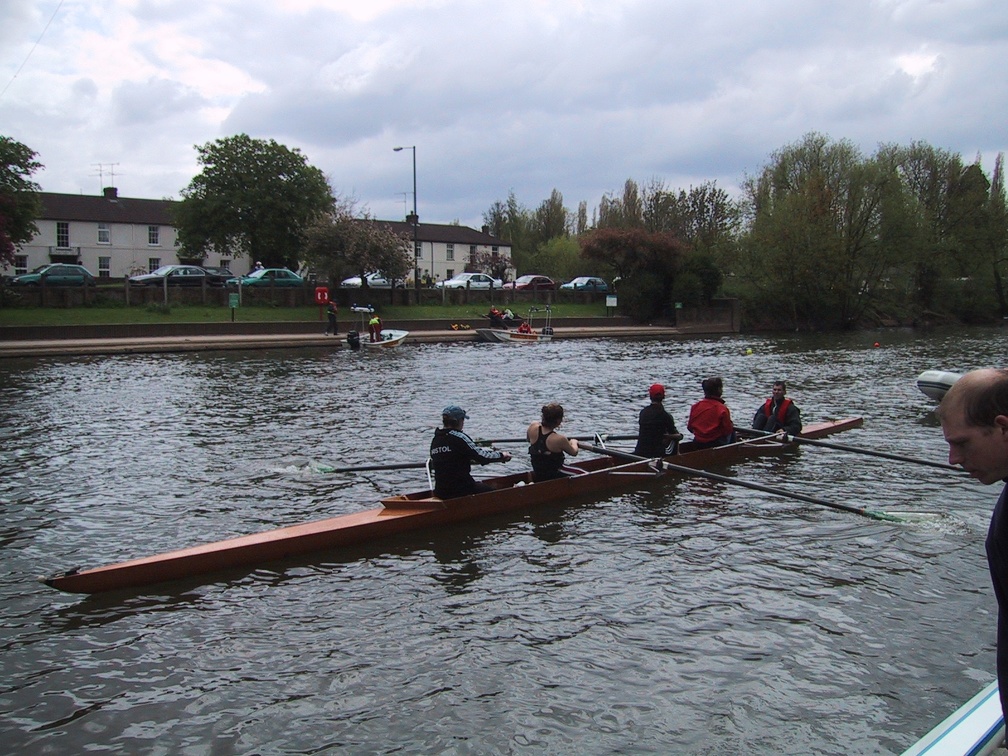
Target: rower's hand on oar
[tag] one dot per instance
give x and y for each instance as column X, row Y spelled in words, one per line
column 505, row 456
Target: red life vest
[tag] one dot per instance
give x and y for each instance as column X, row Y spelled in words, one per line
column 782, row 409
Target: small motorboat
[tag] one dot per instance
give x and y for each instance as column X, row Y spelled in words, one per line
column 523, row 334
column 370, row 337
column 934, row 383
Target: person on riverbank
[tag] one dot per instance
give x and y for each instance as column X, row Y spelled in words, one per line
column 974, row 420
column 778, row 413
column 709, row 419
column 656, row 428
column 547, row 446
column 331, row 312
column 453, row 453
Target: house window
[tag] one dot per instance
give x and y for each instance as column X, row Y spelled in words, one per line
column 104, row 233
column 104, row 267
column 20, row 264
column 450, row 273
column 472, row 252
column 450, row 253
column 154, row 236
column 63, row 234
column 493, row 251
column 153, row 263
column 419, row 250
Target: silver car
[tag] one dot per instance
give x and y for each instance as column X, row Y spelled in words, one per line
column 471, row 281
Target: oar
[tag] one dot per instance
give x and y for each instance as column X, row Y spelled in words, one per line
column 368, row 468
column 484, row 442
column 854, row 449
column 754, row 486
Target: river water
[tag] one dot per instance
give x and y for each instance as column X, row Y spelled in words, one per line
column 691, row 617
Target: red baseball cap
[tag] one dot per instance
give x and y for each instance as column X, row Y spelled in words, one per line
column 657, row 391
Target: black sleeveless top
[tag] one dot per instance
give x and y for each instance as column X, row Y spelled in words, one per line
column 546, row 464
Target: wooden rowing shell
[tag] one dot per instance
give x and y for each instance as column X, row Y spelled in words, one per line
column 406, row 512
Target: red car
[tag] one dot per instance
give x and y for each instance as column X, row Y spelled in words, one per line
column 532, row 283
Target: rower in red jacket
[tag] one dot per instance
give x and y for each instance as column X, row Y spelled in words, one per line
column 709, row 419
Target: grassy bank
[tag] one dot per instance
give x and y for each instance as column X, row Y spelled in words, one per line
column 28, row 316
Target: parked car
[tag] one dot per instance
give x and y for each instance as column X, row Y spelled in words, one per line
column 472, row 280
column 176, row 275
column 56, row 274
column 218, row 276
column 586, row 283
column 374, row 281
column 268, row 277
column 532, row 283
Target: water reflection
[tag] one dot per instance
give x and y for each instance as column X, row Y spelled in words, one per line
column 690, row 616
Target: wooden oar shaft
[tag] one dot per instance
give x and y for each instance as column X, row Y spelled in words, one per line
column 368, row 468
column 754, row 486
column 524, row 440
column 858, row 450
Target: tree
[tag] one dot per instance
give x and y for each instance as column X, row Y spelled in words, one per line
column 20, row 203
column 823, row 225
column 511, row 222
column 340, row 243
column 253, row 197
column 647, row 264
column 997, row 243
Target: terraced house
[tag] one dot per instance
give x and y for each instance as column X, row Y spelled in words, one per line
column 115, row 237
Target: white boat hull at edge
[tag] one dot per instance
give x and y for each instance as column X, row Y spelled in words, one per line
column 974, row 729
column 390, row 338
column 934, row 383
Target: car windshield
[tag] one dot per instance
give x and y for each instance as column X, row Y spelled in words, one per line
column 257, row 273
column 164, row 270
column 524, row 279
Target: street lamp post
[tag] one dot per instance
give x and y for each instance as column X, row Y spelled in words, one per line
column 415, row 219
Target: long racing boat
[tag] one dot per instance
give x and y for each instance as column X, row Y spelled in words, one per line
column 416, row 511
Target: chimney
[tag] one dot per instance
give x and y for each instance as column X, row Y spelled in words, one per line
column 111, row 193
column 486, row 229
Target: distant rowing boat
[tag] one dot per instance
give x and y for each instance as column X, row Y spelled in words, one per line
column 413, row 511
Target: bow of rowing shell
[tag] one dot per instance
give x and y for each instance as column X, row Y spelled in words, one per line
column 412, row 511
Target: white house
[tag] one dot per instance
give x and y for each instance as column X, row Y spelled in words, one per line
column 115, row 236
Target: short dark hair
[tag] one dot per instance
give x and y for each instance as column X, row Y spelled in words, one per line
column 552, row 414
column 783, row 386
column 713, row 387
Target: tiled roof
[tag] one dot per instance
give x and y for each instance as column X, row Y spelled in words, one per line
column 106, row 209
column 114, row 209
column 443, row 232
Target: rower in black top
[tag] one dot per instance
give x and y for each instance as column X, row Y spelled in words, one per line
column 452, row 453
column 547, row 446
column 657, row 430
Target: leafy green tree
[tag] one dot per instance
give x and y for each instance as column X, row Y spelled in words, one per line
column 20, row 203
column 822, row 223
column 253, row 197
column 341, row 243
column 551, row 220
column 511, row 221
column 997, row 242
column 927, row 174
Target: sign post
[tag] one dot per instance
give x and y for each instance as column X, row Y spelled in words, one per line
column 233, row 300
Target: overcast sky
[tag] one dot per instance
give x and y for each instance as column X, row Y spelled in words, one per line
column 496, row 96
